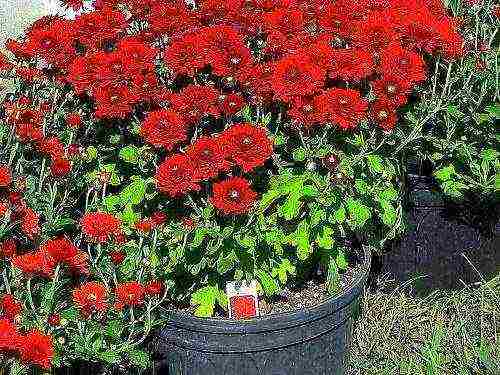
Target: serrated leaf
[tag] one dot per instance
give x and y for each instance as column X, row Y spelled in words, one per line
column 110, row 357
column 389, row 213
column 324, row 239
column 205, row 299
column 358, row 212
column 361, row 186
column 226, row 262
column 269, row 285
column 341, row 259
column 299, row 154
column 129, row 154
column 302, row 241
column 340, row 215
column 445, row 174
column 139, row 358
column 134, row 193
column 375, row 163
column 389, row 194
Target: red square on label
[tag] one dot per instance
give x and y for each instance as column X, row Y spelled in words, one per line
column 243, row 307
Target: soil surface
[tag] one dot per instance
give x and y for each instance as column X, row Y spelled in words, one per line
column 298, row 297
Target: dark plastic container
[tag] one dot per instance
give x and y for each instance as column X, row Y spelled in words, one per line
column 313, row 341
column 441, row 235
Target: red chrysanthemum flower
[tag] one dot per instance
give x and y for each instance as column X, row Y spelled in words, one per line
column 233, row 196
column 164, row 128
column 343, row 107
column 394, row 88
column 52, row 40
column 54, row 320
column 171, row 18
column 100, row 226
column 51, row 146
column 176, row 176
column 35, row 263
column 129, row 294
column 114, row 101
column 207, row 158
column 231, row 104
column 10, row 307
column 194, row 102
column 5, row 176
column 94, row 29
column 76, row 5
column 144, row 225
column 410, row 66
column 38, row 349
column 154, row 288
column 226, row 51
column 186, row 56
column 297, row 76
column 351, row 64
column 375, row 32
column 30, row 223
column 74, row 120
column 60, row 167
column 117, row 257
column 159, row 218
column 91, row 298
column 9, row 336
column 247, row 145
column 60, row 249
column 383, row 113
column 8, row 248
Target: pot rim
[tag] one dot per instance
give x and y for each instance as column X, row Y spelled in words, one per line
column 276, row 321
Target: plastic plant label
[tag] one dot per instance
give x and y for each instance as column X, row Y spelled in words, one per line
column 243, row 300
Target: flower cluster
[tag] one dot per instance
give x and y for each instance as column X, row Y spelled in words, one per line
column 193, row 105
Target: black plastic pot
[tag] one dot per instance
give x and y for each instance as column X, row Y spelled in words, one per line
column 314, row 341
column 440, row 236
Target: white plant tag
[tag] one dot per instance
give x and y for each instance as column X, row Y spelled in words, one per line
column 243, row 299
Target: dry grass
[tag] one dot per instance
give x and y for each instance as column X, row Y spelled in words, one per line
column 448, row 332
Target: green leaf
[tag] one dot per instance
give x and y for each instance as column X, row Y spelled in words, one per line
column 375, row 163
column 226, row 262
column 389, row 194
column 285, row 267
column 304, row 248
column 291, row 208
column 445, row 174
column 454, row 112
column 299, row 154
column 205, row 299
column 489, row 154
column 269, row 285
column 139, row 358
column 199, row 235
column 268, row 198
column 129, row 154
column 389, row 213
column 325, row 238
column 111, row 202
column 358, row 212
column 362, row 187
column 340, row 215
column 128, row 216
column 134, row 193
column 110, row 357
column 114, row 328
column 341, row 259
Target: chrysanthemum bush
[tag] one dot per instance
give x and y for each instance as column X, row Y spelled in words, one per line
column 454, row 120
column 152, row 151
